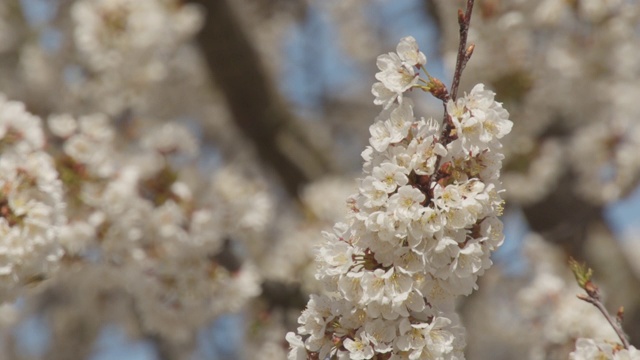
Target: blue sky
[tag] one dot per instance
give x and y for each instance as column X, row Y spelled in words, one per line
column 314, row 43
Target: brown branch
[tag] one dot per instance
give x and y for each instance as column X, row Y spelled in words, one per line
column 464, row 52
column 593, row 297
column 439, row 90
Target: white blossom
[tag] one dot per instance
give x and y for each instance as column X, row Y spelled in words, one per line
column 421, row 229
column 62, row 125
column 32, row 206
column 359, row 348
column 589, row 349
column 110, row 32
column 408, row 51
column 397, row 73
column 169, row 138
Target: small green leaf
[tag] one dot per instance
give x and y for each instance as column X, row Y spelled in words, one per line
column 582, row 273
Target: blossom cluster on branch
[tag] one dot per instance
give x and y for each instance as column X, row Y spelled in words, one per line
column 420, row 231
column 32, row 209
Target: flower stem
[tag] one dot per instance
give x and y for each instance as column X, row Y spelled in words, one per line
column 593, row 297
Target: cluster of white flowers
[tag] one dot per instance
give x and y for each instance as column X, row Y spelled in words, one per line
column 420, row 231
column 141, row 216
column 126, row 48
column 111, row 33
column 397, row 72
column 87, row 141
column 138, row 202
column 589, row 349
column 248, row 207
column 108, row 187
column 32, row 208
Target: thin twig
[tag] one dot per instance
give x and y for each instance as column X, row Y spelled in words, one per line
column 594, row 298
column 464, row 52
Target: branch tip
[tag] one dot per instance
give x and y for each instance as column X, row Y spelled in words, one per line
column 464, row 52
column 469, row 51
column 583, row 276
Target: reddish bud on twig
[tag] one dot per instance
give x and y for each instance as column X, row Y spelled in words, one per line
column 469, row 51
column 591, row 289
column 583, row 275
column 461, row 18
column 438, row 89
column 620, row 314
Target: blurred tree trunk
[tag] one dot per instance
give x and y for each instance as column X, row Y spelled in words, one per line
column 282, row 141
column 257, row 108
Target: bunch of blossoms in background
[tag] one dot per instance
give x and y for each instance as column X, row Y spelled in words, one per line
column 32, row 208
column 134, row 208
column 420, row 231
